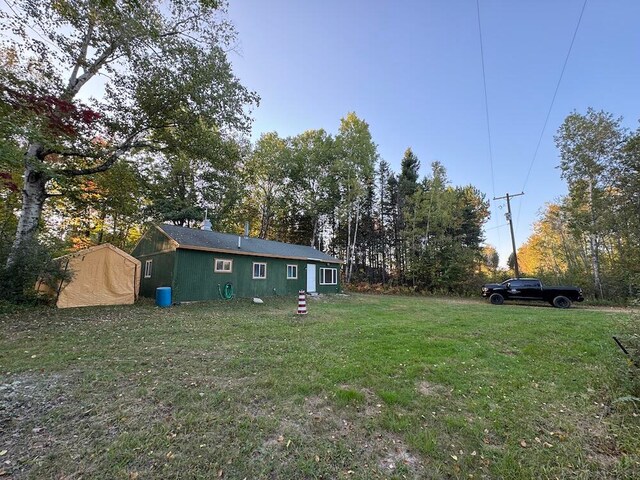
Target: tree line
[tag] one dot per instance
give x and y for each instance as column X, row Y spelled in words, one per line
column 591, row 236
column 332, row 192
column 166, row 141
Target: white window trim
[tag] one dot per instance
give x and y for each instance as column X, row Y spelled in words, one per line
column 215, row 265
column 334, row 275
column 296, row 270
column 253, row 271
column 148, row 268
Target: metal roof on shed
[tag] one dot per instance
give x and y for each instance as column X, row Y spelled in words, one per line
column 207, row 240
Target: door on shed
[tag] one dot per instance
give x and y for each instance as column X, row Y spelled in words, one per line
column 311, row 277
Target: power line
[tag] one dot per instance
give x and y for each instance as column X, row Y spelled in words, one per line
column 486, row 110
column 498, row 226
column 46, row 40
column 486, row 100
column 555, row 94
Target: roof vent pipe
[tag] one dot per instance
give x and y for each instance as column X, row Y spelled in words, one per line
column 206, row 223
column 239, row 242
column 246, row 229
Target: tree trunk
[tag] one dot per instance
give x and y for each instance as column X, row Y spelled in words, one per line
column 316, row 222
column 353, row 245
column 595, row 263
column 382, row 243
column 593, row 243
column 33, row 197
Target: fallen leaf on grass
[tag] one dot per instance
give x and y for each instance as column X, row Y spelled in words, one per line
column 523, row 443
column 454, row 457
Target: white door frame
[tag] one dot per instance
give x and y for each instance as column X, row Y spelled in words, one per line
column 311, row 277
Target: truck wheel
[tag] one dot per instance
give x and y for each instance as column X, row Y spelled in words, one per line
column 561, row 302
column 496, row 299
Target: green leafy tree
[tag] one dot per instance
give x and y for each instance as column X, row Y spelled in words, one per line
column 589, row 144
column 168, row 87
column 356, row 159
column 490, row 261
column 266, row 172
column 313, row 183
column 104, row 208
column 173, row 191
column 626, row 207
column 446, row 234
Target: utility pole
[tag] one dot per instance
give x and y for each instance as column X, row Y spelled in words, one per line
column 513, row 238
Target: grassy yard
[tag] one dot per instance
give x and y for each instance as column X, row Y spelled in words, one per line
column 363, row 387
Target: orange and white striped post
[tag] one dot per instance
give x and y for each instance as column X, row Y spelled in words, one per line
column 302, row 302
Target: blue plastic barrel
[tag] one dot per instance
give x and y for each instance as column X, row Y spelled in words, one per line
column 163, row 297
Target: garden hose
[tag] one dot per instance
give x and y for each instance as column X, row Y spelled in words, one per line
column 227, row 292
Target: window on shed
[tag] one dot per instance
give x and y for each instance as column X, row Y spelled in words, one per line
column 292, row 272
column 148, row 265
column 328, row 276
column 259, row 270
column 222, row 265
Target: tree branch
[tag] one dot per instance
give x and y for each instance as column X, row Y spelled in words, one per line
column 82, row 58
column 128, row 145
column 89, row 72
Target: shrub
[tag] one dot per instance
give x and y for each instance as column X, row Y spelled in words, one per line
column 18, row 281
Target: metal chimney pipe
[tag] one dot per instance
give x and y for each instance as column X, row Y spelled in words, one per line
column 206, row 223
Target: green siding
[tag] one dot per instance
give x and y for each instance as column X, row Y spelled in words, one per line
column 195, row 278
column 152, row 242
column 327, row 288
column 161, row 273
column 191, row 275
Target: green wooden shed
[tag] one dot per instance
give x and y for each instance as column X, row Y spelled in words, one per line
column 199, row 264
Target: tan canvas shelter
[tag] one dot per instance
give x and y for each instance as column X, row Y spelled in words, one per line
column 102, row 275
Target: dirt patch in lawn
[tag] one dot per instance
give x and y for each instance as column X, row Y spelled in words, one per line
column 382, row 451
column 602, row 447
column 396, row 454
column 429, row 389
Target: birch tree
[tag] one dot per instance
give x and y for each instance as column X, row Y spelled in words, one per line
column 589, row 144
column 165, row 84
column 357, row 155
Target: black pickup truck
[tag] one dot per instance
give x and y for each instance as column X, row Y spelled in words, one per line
column 531, row 289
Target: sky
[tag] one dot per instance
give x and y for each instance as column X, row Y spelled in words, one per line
column 413, row 71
